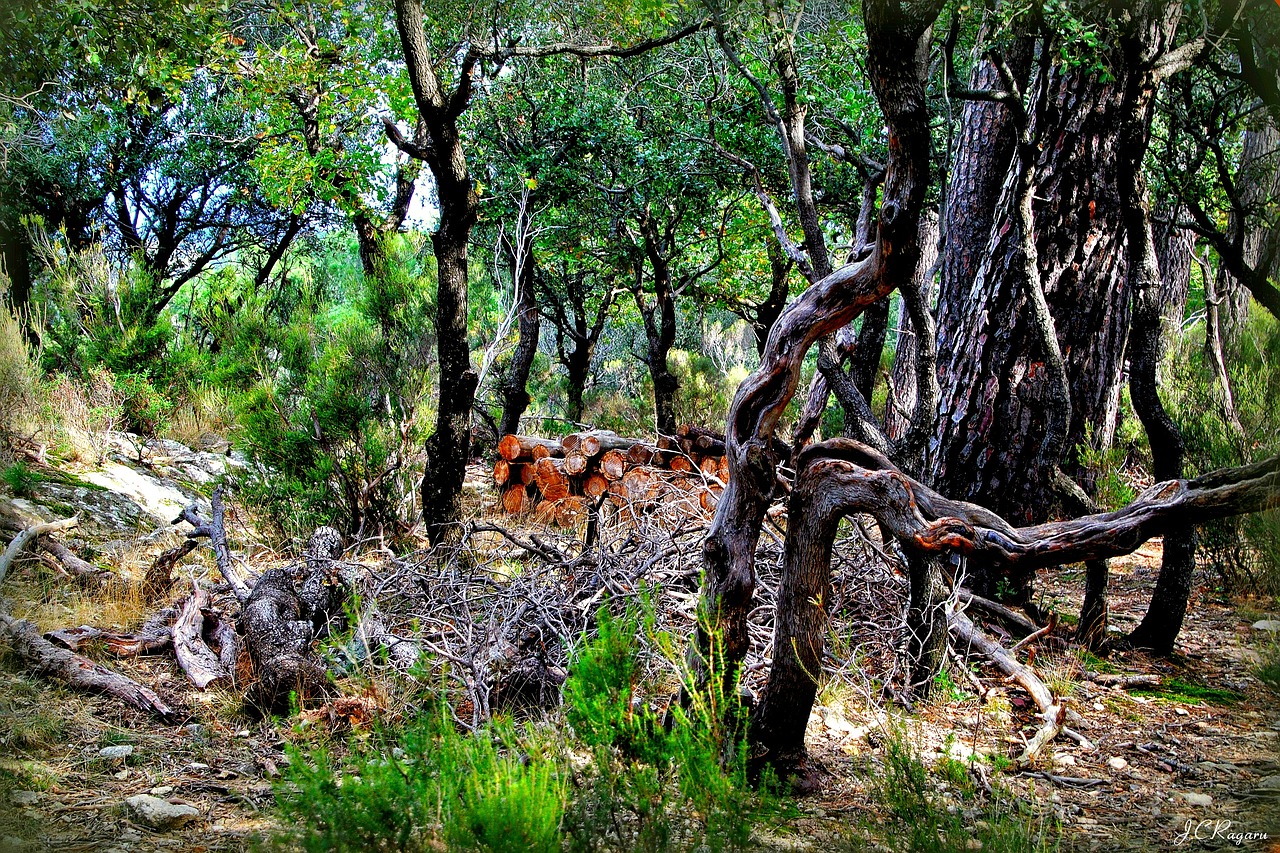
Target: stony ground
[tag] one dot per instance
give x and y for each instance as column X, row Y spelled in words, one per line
column 1202, row 748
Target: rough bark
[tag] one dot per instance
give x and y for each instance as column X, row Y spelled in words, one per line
column 838, row 478
column 448, row 449
column 197, row 660
column 1142, row 45
column 993, row 375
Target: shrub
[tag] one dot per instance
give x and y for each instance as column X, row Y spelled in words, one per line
column 19, row 374
column 492, row 790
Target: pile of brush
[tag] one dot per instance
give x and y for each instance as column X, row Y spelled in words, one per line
column 557, row 480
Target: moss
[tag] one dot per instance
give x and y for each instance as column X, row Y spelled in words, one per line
column 1190, row 692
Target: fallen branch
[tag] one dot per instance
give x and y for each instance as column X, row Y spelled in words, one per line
column 999, row 611
column 1055, row 713
column 44, row 658
column 20, row 541
column 197, row 660
column 1107, row 679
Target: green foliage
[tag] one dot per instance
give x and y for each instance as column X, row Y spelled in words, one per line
column 1193, row 692
column 921, row 819
column 494, row 790
column 1105, row 467
column 19, row 371
column 652, row 786
column 21, row 479
column 97, row 313
column 1243, row 552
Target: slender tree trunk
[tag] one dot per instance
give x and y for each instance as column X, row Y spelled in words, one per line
column 926, row 622
column 1151, row 35
column 449, row 448
column 15, row 255
column 515, row 390
column 867, row 351
column 914, row 386
column 1174, row 247
column 1258, row 184
column 897, row 52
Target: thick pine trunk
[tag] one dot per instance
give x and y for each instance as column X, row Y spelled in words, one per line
column 996, row 386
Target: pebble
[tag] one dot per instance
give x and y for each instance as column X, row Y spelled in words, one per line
column 162, row 790
column 116, row 753
column 1063, row 759
column 1117, row 763
column 1181, row 712
column 121, row 774
column 1193, row 798
column 1270, row 783
column 160, row 814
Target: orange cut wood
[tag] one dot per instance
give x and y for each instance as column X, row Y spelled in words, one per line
column 501, row 472
column 575, row 463
column 595, row 485
column 515, row 500
column 613, row 464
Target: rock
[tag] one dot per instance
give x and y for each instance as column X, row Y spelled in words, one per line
column 14, row 844
column 24, row 798
column 1271, row 625
column 1194, row 798
column 116, row 753
column 1181, row 712
column 1117, row 763
column 162, row 791
column 160, row 814
column 1062, row 759
column 1270, row 783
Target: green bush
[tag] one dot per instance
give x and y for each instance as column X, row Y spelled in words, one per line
column 494, row 790
column 20, row 479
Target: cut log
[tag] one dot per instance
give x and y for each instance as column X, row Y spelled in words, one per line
column 570, row 511
column 640, row 484
column 642, row 454
column 595, row 442
column 576, row 463
column 595, row 485
column 552, row 480
column 517, row 448
column 501, row 472
column 196, row 659
column 723, row 470
column 545, row 512
column 617, row 492
column 708, row 499
column 44, row 658
column 515, row 500
column 681, row 463
column 710, row 466
column 529, row 474
column 613, row 464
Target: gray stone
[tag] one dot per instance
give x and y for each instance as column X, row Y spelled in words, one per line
column 1117, row 763
column 1194, row 798
column 160, row 814
column 1271, row 625
column 1270, row 783
column 25, row 798
column 116, row 753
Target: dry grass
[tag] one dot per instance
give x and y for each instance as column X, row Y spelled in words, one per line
column 205, row 411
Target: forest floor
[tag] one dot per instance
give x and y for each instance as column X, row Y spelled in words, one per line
column 1201, row 751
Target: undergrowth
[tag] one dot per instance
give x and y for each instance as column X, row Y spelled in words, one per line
column 615, row 776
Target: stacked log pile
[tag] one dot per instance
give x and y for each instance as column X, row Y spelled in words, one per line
column 557, row 481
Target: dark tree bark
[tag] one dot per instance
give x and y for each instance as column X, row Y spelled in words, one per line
column 515, row 390
column 449, row 448
column 838, row 478
column 15, row 264
column 1174, row 247
column 996, row 385
column 579, row 314
column 896, row 64
column 913, row 392
column 1143, row 44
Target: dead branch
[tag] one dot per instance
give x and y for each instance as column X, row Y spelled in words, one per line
column 197, row 660
column 20, row 541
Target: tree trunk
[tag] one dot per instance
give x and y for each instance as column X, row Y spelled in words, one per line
column 449, row 448
column 1146, row 42
column 1174, row 247
column 1258, row 184
column 897, row 54
column 995, row 385
column 515, row 391
column 914, row 387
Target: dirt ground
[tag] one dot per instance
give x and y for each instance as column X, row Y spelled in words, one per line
column 1194, row 763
